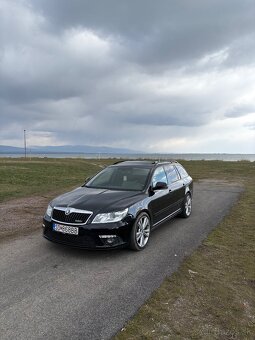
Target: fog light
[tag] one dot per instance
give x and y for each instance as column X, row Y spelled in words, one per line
column 108, row 239
column 43, row 225
column 107, row 236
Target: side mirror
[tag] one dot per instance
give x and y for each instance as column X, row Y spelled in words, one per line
column 160, row 186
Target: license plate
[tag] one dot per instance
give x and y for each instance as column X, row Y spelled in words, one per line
column 65, row 229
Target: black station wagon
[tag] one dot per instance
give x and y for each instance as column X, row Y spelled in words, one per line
column 120, row 205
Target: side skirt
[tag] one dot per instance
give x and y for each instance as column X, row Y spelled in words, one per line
column 176, row 212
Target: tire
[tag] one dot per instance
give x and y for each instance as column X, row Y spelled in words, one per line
column 140, row 233
column 187, row 206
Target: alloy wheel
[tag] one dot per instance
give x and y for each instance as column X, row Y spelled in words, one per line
column 188, row 205
column 143, row 231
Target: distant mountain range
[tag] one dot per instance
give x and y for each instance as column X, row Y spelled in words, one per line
column 75, row 149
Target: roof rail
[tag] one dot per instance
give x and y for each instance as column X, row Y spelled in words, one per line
column 147, row 160
column 119, row 162
column 166, row 161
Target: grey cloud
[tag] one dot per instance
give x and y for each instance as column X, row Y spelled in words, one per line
column 93, row 72
column 250, row 126
column 160, row 112
column 240, row 110
column 53, row 73
column 163, row 32
column 242, row 51
column 143, row 17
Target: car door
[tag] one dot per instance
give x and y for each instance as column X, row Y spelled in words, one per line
column 159, row 201
column 176, row 188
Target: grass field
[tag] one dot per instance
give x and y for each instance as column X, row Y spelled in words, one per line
column 212, row 295
column 21, row 178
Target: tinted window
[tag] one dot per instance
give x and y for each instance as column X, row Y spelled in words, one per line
column 159, row 176
column 172, row 174
column 103, row 177
column 121, row 178
column 182, row 171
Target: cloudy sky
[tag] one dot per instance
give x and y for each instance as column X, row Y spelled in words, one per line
column 157, row 76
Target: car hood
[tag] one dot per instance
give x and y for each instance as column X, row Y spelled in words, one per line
column 98, row 200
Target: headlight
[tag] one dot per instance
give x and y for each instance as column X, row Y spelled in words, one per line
column 49, row 211
column 110, row 217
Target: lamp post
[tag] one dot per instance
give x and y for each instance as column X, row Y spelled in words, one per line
column 25, row 144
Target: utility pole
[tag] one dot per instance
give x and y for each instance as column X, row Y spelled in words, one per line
column 25, row 144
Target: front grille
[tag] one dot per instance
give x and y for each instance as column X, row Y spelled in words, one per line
column 72, row 218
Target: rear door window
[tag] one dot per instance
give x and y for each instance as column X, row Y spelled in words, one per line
column 172, row 174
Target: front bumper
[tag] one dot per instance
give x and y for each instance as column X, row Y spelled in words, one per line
column 89, row 235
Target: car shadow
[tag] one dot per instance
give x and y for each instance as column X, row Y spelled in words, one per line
column 58, row 249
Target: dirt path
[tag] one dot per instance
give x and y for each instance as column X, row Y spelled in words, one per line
column 21, row 215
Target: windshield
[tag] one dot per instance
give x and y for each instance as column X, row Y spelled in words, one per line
column 120, row 178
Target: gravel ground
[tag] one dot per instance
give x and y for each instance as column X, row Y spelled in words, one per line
column 22, row 215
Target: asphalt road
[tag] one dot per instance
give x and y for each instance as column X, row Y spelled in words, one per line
column 48, row 291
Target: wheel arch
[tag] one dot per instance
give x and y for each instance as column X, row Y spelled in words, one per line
column 139, row 212
column 188, row 191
